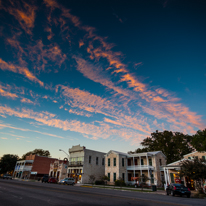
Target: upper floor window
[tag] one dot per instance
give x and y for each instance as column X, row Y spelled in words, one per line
column 108, row 162
column 90, row 159
column 150, row 162
column 102, row 161
column 97, row 160
column 142, row 162
column 122, row 162
column 160, row 160
column 114, row 161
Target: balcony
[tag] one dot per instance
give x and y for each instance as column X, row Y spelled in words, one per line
column 140, row 167
column 76, row 164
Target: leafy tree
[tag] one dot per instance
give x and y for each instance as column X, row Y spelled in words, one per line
column 39, row 152
column 173, row 144
column 7, row 163
column 199, row 140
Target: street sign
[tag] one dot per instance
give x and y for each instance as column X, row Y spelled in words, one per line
column 33, row 173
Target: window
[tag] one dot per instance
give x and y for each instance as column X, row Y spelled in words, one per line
column 108, row 176
column 90, row 159
column 150, row 162
column 114, row 176
column 123, row 176
column 189, row 158
column 122, row 162
column 135, row 161
column 142, row 162
column 102, row 161
column 160, row 160
column 97, row 160
column 196, row 157
column 114, row 161
column 108, row 162
column 203, row 157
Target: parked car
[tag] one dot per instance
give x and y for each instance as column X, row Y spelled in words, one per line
column 45, row 178
column 67, row 181
column 178, row 189
column 7, row 176
column 52, row 180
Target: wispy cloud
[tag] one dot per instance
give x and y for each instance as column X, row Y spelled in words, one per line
column 20, row 70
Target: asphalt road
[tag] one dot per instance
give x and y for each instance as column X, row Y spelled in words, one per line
column 18, row 193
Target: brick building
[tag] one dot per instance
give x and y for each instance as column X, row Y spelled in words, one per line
column 33, row 166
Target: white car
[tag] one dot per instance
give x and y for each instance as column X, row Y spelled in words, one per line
column 67, row 181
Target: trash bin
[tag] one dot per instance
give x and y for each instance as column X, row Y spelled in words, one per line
column 154, row 188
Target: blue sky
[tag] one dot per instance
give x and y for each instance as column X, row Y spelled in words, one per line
column 103, row 74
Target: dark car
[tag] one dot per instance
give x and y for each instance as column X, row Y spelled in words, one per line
column 7, row 176
column 45, row 178
column 178, row 189
column 52, row 180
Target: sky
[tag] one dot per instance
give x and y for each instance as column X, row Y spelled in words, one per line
column 102, row 74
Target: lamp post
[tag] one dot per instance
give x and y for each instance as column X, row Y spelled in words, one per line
column 64, row 152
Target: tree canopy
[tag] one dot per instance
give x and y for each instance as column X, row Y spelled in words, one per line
column 39, row 152
column 7, row 163
column 173, row 144
column 199, row 140
column 195, row 169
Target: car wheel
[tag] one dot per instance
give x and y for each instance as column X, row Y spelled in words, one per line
column 188, row 196
column 172, row 193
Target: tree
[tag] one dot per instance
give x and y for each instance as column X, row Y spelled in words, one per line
column 39, row 152
column 92, row 179
column 199, row 140
column 7, row 163
column 173, row 144
column 194, row 169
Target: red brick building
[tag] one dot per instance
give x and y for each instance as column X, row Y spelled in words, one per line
column 33, row 167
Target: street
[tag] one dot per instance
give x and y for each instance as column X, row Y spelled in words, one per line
column 21, row 193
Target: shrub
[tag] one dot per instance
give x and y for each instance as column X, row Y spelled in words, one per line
column 99, row 182
column 120, row 183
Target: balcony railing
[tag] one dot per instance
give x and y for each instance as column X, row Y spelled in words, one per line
column 77, row 163
column 140, row 167
column 25, row 168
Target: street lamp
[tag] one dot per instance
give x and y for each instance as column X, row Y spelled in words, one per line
column 64, row 152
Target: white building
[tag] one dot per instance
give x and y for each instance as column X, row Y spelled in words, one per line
column 133, row 166
column 84, row 162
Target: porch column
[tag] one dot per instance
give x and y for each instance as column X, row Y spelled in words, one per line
column 165, row 178
column 148, row 170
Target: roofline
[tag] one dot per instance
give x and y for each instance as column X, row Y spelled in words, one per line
column 190, row 153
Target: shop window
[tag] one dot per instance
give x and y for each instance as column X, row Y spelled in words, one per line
column 114, row 176
column 172, row 177
column 97, row 160
column 122, row 162
column 142, row 162
column 108, row 162
column 150, row 162
column 102, row 161
column 114, row 161
column 108, row 176
column 90, row 159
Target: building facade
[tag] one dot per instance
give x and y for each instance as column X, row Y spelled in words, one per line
column 133, row 167
column 33, row 166
column 84, row 162
column 171, row 170
column 58, row 169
